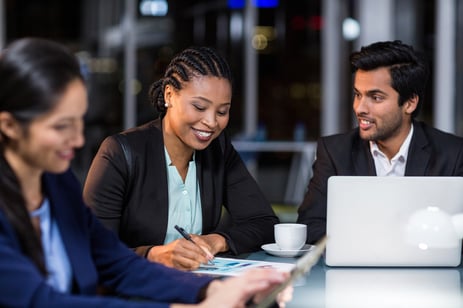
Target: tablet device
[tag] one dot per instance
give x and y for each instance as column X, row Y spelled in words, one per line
column 302, row 266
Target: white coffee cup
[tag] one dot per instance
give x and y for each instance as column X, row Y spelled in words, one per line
column 290, row 236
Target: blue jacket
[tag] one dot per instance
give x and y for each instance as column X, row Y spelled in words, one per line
column 96, row 257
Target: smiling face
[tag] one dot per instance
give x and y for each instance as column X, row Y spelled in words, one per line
column 49, row 142
column 197, row 113
column 376, row 106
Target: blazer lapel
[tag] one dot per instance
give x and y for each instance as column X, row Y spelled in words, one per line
column 160, row 211
column 62, row 207
column 418, row 154
column 362, row 160
column 209, row 169
column 205, row 179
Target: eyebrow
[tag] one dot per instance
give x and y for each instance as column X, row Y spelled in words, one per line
column 209, row 101
column 372, row 92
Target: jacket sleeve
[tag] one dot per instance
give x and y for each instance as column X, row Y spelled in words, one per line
column 252, row 217
column 106, row 183
column 97, row 257
column 312, row 210
column 152, row 285
column 128, row 274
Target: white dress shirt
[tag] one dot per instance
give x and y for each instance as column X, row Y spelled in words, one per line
column 395, row 166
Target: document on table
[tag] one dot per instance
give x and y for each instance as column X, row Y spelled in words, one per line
column 233, row 267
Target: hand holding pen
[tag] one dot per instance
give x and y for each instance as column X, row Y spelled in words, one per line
column 188, row 237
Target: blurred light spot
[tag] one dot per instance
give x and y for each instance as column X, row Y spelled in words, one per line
column 239, row 4
column 350, row 29
column 102, row 65
column 315, row 22
column 154, row 7
column 263, row 36
column 259, row 42
column 236, row 26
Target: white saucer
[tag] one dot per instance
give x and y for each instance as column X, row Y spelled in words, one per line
column 273, row 249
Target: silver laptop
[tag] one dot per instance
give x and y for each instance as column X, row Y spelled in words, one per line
column 392, row 287
column 368, row 218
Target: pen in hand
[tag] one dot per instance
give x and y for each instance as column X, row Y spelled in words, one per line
column 188, row 238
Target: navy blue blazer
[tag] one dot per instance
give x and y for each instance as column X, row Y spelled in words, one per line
column 135, row 204
column 431, row 153
column 97, row 257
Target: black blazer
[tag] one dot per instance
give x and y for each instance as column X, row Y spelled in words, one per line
column 136, row 206
column 432, row 152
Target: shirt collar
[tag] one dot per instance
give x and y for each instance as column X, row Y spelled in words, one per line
column 169, row 161
column 403, row 151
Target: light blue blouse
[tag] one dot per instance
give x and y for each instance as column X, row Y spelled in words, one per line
column 56, row 258
column 184, row 201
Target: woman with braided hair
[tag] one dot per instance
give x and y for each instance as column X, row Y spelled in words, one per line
column 54, row 252
column 181, row 169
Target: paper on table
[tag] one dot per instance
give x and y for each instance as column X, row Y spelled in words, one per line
column 233, row 267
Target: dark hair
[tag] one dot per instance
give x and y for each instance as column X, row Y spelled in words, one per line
column 408, row 68
column 34, row 73
column 191, row 62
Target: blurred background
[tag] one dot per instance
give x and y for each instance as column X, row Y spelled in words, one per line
column 292, row 81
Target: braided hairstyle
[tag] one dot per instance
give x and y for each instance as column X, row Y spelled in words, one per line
column 408, row 68
column 34, row 73
column 191, row 62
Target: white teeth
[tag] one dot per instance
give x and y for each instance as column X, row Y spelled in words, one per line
column 204, row 134
column 365, row 122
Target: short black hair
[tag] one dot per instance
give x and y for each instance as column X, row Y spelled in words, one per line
column 408, row 67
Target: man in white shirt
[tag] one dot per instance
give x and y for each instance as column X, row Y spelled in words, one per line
column 389, row 85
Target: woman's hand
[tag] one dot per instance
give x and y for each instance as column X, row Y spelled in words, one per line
column 180, row 254
column 184, row 255
column 252, row 286
column 214, row 243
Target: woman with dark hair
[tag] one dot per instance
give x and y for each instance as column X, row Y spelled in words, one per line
column 181, row 169
column 54, row 252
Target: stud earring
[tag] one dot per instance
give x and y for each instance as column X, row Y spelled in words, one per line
column 166, row 105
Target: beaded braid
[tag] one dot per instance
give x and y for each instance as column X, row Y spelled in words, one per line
column 191, row 62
